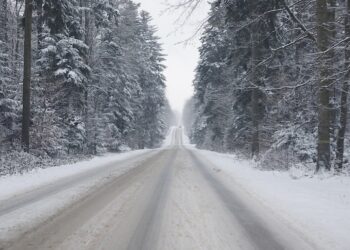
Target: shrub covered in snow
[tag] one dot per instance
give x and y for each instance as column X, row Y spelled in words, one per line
column 19, row 162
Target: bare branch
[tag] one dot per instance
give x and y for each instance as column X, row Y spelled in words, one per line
column 297, row 21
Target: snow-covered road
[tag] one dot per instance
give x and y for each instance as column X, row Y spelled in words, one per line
column 170, row 198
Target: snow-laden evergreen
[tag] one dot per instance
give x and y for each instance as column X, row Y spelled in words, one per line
column 269, row 82
column 97, row 82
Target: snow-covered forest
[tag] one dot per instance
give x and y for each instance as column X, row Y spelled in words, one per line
column 94, row 153
column 78, row 78
column 272, row 82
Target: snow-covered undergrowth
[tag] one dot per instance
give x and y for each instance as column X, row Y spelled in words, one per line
column 20, row 162
column 317, row 205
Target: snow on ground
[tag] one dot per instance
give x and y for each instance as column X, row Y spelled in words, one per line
column 169, row 139
column 11, row 185
column 317, row 206
column 87, row 175
column 185, row 140
column 20, row 183
column 194, row 216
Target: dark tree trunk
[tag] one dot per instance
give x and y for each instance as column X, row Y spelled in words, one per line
column 4, row 30
column 15, row 52
column 27, row 73
column 255, row 94
column 255, row 118
column 87, row 25
column 39, row 10
column 4, row 21
column 323, row 142
column 344, row 98
column 331, row 55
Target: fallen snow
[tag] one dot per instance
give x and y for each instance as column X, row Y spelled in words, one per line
column 169, row 138
column 195, row 217
column 20, row 183
column 317, row 206
column 11, row 185
column 24, row 218
column 185, row 140
column 102, row 168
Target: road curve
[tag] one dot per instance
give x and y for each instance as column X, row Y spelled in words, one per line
column 170, row 199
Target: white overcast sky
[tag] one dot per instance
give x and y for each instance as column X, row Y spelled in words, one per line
column 181, row 59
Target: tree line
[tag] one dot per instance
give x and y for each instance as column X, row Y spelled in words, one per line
column 273, row 81
column 80, row 77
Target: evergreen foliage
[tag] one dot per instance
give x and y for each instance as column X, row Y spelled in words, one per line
column 268, row 83
column 97, row 82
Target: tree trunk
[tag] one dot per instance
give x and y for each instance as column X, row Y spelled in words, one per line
column 331, row 55
column 4, row 22
column 88, row 26
column 39, row 10
column 4, row 31
column 27, row 73
column 344, row 97
column 255, row 111
column 15, row 50
column 255, row 118
column 323, row 142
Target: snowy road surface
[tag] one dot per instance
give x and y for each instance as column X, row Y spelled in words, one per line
column 158, row 199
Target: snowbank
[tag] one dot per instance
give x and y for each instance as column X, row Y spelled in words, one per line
column 19, row 183
column 318, row 206
column 169, row 138
column 11, row 185
column 186, row 140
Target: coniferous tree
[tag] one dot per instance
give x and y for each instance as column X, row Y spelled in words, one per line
column 9, row 105
column 63, row 58
column 268, row 104
column 27, row 74
column 97, row 80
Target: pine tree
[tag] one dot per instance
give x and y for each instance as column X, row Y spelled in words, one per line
column 63, row 58
column 151, row 79
column 97, row 80
column 9, row 106
column 27, row 75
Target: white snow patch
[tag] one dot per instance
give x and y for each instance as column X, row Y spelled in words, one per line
column 169, row 138
column 20, row 183
column 185, row 140
column 24, row 218
column 318, row 206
